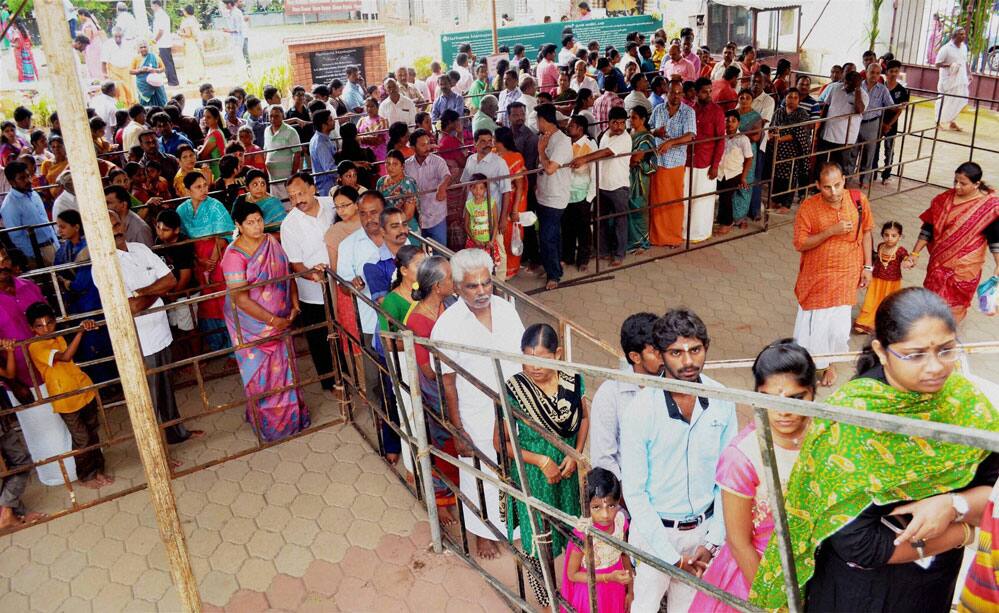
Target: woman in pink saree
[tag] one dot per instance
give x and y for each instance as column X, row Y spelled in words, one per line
column 785, row 369
column 258, row 313
column 960, row 228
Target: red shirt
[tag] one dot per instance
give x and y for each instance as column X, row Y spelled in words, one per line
column 710, row 124
column 724, row 95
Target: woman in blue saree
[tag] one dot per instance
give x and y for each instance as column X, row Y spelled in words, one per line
column 144, row 66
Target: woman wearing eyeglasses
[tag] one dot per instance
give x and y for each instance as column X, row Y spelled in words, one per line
column 879, row 521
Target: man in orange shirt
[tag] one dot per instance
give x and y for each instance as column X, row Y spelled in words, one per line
column 832, row 231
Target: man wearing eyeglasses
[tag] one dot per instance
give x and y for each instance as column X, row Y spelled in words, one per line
column 832, row 232
column 491, row 323
column 670, row 446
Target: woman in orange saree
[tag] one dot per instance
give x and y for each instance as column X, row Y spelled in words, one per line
column 961, row 227
column 507, row 149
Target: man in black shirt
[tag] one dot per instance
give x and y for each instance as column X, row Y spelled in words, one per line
column 899, row 95
column 298, row 116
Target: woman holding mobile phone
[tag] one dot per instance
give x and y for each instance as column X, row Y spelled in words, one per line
column 848, row 479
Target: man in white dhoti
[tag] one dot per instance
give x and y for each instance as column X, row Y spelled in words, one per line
column 954, row 80
column 489, row 322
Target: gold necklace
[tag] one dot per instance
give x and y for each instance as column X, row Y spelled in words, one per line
column 891, row 258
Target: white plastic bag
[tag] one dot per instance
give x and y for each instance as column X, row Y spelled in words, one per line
column 516, row 239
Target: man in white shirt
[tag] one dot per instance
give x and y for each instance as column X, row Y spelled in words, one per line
column 130, row 26
column 302, row 234
column 529, row 98
column 419, row 84
column 105, row 106
column 582, row 80
column 465, row 77
column 566, row 56
column 846, row 103
column 116, row 61
column 488, row 322
column 728, row 59
column 554, row 155
column 137, row 125
column 360, row 248
column 164, row 41
column 147, row 279
column 615, row 183
column 407, row 88
column 66, row 200
column 396, row 107
column 613, row 397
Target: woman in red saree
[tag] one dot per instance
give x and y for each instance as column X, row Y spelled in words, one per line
column 960, row 227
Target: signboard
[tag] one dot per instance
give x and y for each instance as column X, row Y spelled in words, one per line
column 312, row 7
column 609, row 31
column 332, row 64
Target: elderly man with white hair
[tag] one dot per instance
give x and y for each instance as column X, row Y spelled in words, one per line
column 485, row 117
column 66, row 200
column 396, row 107
column 493, row 323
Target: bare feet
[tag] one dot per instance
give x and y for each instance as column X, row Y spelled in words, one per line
column 446, row 518
column 33, row 517
column 8, row 519
column 828, row 378
column 486, row 548
column 552, row 284
column 104, row 479
column 195, row 434
column 93, row 484
column 616, row 262
column 723, row 230
column 174, row 463
column 392, row 458
column 955, row 127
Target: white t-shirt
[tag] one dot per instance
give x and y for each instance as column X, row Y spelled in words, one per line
column 65, row 201
column 161, row 23
column 765, row 106
column 566, row 58
column 404, row 110
column 844, row 124
column 737, row 149
column 615, row 172
column 140, row 267
column 302, row 237
column 553, row 189
column 458, row 325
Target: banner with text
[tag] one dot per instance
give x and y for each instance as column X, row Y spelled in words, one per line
column 312, row 7
column 608, row 31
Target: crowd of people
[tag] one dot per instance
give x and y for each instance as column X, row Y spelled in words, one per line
column 269, row 200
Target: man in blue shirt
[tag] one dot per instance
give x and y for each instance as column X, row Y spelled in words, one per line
column 447, row 98
column 168, row 139
column 321, row 152
column 670, row 446
column 353, row 91
column 23, row 207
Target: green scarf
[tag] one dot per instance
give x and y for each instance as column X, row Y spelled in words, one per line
column 843, row 468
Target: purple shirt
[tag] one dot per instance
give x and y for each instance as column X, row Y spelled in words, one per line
column 428, row 176
column 13, row 323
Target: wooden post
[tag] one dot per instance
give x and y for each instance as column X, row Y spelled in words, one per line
column 62, row 64
column 495, row 33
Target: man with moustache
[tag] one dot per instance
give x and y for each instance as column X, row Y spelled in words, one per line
column 670, row 446
column 360, row 248
column 491, row 323
column 302, row 236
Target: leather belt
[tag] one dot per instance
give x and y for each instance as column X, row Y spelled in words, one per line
column 690, row 524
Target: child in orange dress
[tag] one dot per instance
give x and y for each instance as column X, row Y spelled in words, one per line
column 888, row 258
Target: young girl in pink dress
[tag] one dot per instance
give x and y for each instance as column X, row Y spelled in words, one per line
column 783, row 369
column 613, row 571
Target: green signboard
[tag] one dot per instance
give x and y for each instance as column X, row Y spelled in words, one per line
column 609, row 31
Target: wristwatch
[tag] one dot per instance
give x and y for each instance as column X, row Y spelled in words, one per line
column 960, row 505
column 712, row 548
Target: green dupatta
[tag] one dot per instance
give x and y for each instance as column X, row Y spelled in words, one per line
column 843, row 468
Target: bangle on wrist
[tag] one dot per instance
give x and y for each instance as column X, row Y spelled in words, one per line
column 869, row 267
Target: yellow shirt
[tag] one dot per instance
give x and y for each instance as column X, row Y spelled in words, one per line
column 60, row 377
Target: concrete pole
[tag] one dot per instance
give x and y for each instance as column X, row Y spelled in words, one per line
column 62, row 63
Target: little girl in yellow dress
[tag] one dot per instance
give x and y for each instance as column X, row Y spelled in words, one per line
column 887, row 279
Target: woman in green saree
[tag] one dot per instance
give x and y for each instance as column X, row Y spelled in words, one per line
column 878, row 521
column 555, row 402
column 643, row 166
column 750, row 124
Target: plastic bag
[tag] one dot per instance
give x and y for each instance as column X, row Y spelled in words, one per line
column 516, row 239
column 988, row 295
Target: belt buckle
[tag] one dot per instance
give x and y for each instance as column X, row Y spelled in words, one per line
column 690, row 524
